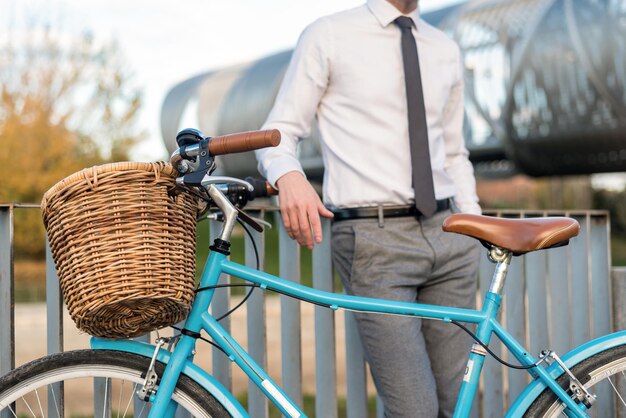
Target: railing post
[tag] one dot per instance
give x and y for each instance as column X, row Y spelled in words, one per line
column 54, row 305
column 559, row 306
column 54, row 313
column 579, row 263
column 618, row 278
column 600, row 262
column 7, row 301
column 325, row 361
column 291, row 341
column 356, row 380
column 601, row 293
column 102, row 401
column 256, row 318
column 537, row 301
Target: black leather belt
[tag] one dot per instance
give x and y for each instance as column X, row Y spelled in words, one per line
column 382, row 212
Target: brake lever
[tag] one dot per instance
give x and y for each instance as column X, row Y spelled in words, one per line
column 263, row 222
column 225, row 179
column 250, row 220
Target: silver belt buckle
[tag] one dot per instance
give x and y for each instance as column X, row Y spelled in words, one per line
column 381, row 217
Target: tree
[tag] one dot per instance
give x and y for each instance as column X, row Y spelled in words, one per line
column 65, row 103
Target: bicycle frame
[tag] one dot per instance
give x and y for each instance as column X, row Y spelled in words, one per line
column 180, row 360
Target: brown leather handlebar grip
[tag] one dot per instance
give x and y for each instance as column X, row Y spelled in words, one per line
column 244, row 141
column 270, row 190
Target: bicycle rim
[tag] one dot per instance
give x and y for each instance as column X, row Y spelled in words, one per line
column 92, row 383
column 604, row 375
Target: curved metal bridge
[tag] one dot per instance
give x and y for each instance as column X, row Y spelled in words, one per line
column 545, row 89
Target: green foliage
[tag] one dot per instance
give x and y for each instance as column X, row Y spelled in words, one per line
column 615, row 203
column 65, row 104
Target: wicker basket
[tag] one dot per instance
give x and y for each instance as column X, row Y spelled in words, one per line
column 124, row 247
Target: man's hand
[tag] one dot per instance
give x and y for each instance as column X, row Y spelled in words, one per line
column 301, row 209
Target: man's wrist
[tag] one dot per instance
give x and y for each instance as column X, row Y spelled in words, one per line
column 287, row 176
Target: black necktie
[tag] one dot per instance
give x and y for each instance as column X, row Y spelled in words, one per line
column 418, row 131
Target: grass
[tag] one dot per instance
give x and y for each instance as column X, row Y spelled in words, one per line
column 618, row 250
column 30, row 280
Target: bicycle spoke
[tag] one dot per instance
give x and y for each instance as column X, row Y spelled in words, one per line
column 104, row 400
column 119, row 400
column 13, row 412
column 39, row 403
column 28, row 406
column 616, row 391
column 74, row 372
column 54, row 398
column 141, row 411
column 130, row 399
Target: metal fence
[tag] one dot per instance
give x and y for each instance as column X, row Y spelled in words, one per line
column 556, row 299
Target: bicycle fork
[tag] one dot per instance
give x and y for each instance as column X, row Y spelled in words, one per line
column 184, row 350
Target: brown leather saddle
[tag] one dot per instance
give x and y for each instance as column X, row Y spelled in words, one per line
column 519, row 236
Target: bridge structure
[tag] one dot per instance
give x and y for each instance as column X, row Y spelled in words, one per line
column 545, row 84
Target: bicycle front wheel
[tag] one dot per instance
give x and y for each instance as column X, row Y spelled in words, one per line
column 603, row 374
column 93, row 383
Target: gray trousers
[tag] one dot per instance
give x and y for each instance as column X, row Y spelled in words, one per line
column 417, row 365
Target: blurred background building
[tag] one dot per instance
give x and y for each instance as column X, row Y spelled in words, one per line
column 545, row 86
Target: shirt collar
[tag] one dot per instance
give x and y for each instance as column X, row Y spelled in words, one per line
column 386, row 13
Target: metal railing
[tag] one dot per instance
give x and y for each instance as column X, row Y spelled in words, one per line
column 565, row 293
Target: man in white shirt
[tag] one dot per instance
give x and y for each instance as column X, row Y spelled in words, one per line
column 348, row 72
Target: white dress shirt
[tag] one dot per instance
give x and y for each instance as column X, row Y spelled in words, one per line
column 347, row 71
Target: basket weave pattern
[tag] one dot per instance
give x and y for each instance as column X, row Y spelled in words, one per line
column 124, row 247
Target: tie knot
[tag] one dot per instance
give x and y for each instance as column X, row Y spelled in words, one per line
column 404, row 22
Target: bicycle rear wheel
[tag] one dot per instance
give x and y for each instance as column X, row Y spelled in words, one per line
column 604, row 374
column 34, row 389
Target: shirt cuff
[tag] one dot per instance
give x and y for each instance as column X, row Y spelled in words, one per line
column 282, row 166
column 468, row 207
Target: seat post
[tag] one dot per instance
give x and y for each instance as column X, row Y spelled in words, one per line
column 502, row 258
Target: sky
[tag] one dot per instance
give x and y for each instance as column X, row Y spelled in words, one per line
column 166, row 42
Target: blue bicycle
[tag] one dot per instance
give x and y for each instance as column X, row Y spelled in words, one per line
column 157, row 380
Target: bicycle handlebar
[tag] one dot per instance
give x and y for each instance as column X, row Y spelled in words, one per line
column 244, row 141
column 194, row 160
column 239, row 195
column 262, row 188
column 190, row 141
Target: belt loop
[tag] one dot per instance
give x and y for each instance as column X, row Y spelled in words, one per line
column 381, row 218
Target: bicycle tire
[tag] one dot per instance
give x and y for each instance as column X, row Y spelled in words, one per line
column 26, row 388
column 602, row 373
